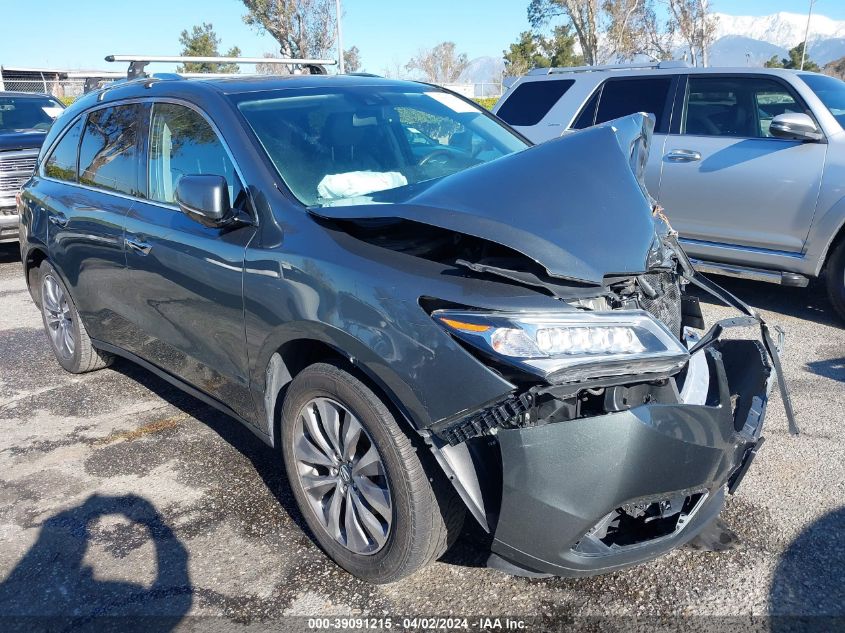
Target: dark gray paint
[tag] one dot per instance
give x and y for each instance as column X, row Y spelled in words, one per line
column 208, row 308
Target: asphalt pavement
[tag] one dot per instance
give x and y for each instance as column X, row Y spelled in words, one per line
column 120, row 495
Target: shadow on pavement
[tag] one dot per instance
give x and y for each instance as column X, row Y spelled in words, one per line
column 10, row 252
column 51, row 589
column 833, row 368
column 810, row 578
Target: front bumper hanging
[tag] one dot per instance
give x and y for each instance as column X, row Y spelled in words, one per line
column 593, row 494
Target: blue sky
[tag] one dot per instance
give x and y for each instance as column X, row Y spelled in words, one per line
column 388, row 32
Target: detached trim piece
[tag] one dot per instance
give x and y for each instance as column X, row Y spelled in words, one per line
column 504, row 414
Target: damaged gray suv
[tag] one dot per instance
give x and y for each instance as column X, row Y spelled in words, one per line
column 367, row 275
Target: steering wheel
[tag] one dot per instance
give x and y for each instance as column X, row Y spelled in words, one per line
column 434, row 154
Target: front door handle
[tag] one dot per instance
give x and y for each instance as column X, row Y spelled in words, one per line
column 138, row 246
column 59, row 219
column 683, row 156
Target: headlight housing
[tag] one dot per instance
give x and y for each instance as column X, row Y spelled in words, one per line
column 564, row 347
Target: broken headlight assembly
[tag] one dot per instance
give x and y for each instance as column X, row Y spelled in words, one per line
column 571, row 346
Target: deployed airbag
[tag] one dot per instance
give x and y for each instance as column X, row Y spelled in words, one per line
column 358, row 183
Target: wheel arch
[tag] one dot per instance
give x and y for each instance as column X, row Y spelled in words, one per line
column 838, row 237
column 294, row 355
column 35, row 256
column 827, row 231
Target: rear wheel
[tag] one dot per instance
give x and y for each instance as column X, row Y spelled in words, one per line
column 66, row 333
column 836, row 278
column 358, row 480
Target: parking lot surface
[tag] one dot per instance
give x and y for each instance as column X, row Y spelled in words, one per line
column 120, row 495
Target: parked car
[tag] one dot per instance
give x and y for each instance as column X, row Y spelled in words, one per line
column 420, row 335
column 24, row 121
column 748, row 162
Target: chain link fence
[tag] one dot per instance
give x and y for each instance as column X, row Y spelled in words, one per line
column 67, row 90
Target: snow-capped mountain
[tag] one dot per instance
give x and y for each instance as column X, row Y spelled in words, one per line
column 781, row 29
column 742, row 40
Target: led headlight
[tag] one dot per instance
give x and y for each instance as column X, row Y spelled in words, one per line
column 572, row 346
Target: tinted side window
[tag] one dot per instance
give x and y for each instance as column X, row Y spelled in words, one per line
column 108, row 156
column 182, row 142
column 734, row 106
column 621, row 97
column 62, row 162
column 532, row 100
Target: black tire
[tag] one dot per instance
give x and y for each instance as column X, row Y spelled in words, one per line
column 427, row 514
column 836, row 278
column 84, row 357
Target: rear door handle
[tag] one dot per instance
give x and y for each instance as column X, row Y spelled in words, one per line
column 59, row 219
column 138, row 246
column 683, row 156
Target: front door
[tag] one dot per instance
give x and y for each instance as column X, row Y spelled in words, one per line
column 187, row 278
column 726, row 180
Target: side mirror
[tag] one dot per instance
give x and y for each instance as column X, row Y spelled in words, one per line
column 795, row 126
column 205, row 198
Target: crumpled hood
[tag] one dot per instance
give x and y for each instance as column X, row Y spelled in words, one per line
column 577, row 205
column 21, row 139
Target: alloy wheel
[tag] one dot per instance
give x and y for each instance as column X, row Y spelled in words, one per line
column 343, row 476
column 58, row 317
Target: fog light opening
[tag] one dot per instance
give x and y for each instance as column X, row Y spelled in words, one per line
column 635, row 524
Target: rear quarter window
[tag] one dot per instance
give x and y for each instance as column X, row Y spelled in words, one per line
column 62, row 162
column 532, row 100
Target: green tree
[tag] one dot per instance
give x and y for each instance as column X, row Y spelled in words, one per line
column 202, row 41
column 583, row 15
column 533, row 50
column 526, row 53
column 352, row 60
column 793, row 61
column 561, row 48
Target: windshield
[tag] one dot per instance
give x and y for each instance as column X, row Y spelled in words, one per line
column 342, row 146
column 831, row 92
column 27, row 113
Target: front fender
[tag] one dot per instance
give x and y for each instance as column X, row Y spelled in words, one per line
column 276, row 374
column 418, row 375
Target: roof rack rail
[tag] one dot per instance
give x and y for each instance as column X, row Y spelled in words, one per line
column 137, row 63
column 674, row 63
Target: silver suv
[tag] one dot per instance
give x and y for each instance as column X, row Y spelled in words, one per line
column 749, row 163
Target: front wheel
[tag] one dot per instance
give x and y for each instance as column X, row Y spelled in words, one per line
column 359, row 481
column 65, row 331
column 836, row 279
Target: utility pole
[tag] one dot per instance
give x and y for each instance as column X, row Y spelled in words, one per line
column 806, row 34
column 340, row 65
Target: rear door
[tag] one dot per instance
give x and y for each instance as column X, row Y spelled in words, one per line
column 186, row 278
column 726, row 180
column 90, row 182
column 622, row 96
